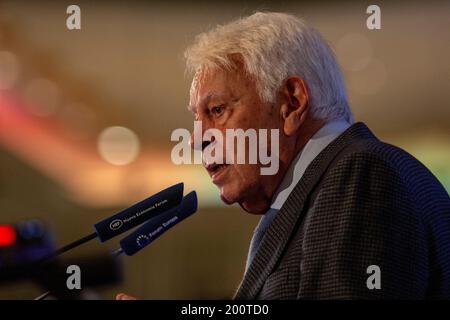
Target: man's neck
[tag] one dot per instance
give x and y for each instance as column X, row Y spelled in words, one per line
column 261, row 201
column 319, row 141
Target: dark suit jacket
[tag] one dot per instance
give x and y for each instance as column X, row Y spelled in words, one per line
column 361, row 202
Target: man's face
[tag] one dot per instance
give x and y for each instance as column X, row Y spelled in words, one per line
column 229, row 100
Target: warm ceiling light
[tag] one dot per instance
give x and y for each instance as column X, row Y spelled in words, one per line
column 118, row 145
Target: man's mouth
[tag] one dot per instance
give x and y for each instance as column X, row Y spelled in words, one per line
column 215, row 169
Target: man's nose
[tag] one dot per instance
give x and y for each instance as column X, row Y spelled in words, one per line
column 197, row 134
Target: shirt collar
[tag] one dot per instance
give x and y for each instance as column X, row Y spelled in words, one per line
column 319, row 141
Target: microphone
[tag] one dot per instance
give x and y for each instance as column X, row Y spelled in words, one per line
column 139, row 212
column 155, row 227
column 128, row 218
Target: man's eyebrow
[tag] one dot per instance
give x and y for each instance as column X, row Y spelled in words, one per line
column 215, row 95
column 205, row 100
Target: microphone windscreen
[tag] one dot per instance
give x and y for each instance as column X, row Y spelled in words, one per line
column 139, row 212
column 155, row 227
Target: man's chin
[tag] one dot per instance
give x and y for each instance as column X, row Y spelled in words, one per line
column 230, row 198
column 227, row 199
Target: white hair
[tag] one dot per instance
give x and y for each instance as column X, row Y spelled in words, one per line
column 273, row 47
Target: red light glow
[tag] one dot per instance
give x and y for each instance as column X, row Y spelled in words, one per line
column 7, row 235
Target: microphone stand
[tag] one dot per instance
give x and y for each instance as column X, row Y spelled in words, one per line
column 60, row 251
column 74, row 244
column 68, row 247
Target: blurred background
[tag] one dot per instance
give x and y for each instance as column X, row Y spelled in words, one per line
column 86, row 117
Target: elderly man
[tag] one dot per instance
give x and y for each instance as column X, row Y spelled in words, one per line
column 346, row 216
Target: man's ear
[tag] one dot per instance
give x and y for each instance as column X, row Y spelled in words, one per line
column 295, row 104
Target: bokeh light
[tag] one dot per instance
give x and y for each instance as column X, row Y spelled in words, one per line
column 370, row 80
column 354, row 51
column 118, row 145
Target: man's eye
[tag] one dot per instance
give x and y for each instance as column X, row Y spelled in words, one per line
column 218, row 110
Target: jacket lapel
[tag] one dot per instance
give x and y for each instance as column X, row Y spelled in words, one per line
column 290, row 214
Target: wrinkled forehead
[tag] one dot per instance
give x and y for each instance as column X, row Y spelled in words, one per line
column 199, row 74
column 219, row 80
column 207, row 81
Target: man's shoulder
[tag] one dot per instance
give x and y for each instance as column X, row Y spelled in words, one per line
column 373, row 154
column 359, row 146
column 372, row 163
